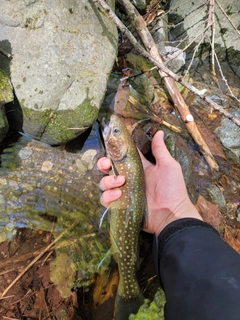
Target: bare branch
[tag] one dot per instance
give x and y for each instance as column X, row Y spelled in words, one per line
column 5, row 53
column 225, row 14
column 167, row 75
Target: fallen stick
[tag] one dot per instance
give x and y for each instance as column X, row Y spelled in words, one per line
column 152, row 50
column 5, row 53
column 167, row 72
column 37, row 258
column 160, row 65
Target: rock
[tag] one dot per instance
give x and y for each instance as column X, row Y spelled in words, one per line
column 3, row 124
column 87, row 161
column 139, row 4
column 6, row 95
column 216, row 195
column 229, row 134
column 6, row 92
column 188, row 19
column 63, row 53
column 174, row 58
column 159, row 30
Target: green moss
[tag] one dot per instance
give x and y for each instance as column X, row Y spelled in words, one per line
column 56, row 124
column 6, row 93
column 141, row 63
column 153, row 310
column 82, row 117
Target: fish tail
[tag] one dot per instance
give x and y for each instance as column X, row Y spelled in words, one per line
column 124, row 307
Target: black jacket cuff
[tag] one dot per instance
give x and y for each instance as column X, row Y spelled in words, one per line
column 171, row 230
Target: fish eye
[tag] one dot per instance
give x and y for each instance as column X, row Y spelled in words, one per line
column 116, row 131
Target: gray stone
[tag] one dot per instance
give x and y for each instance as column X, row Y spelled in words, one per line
column 195, row 15
column 6, row 95
column 3, row 124
column 139, row 4
column 174, row 58
column 216, row 195
column 63, row 53
column 229, row 135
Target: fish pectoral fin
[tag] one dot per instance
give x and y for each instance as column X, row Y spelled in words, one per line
column 103, row 216
column 104, row 263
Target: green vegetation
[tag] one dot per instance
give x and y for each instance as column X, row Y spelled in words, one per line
column 57, row 123
column 6, row 94
column 151, row 310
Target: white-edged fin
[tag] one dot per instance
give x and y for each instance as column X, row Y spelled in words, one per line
column 104, row 263
column 102, row 217
column 114, row 248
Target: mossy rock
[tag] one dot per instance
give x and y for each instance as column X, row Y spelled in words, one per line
column 6, row 92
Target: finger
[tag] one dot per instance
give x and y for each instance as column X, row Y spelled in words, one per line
column 104, row 164
column 110, row 196
column 159, row 148
column 111, row 182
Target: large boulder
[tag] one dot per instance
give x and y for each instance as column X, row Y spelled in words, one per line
column 191, row 19
column 63, row 53
column 6, row 95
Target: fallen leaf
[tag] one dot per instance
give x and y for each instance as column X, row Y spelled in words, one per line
column 208, row 211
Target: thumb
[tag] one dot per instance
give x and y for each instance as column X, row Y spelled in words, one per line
column 145, row 162
column 159, row 148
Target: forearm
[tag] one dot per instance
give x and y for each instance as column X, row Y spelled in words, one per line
column 199, row 272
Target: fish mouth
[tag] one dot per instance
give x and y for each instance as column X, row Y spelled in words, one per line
column 105, row 128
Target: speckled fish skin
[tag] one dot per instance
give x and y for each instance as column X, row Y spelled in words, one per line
column 126, row 215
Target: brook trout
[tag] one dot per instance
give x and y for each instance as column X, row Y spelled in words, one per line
column 127, row 214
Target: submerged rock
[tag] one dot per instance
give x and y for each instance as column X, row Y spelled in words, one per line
column 63, row 53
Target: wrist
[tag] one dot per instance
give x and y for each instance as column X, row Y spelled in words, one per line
column 165, row 217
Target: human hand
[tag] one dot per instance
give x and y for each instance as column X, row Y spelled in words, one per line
column 166, row 192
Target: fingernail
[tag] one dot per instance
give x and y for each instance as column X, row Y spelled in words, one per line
column 119, row 179
column 116, row 193
column 105, row 163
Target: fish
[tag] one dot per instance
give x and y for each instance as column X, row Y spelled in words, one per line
column 127, row 215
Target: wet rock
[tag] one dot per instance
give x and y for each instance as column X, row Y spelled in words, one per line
column 86, row 162
column 229, row 134
column 63, row 54
column 216, row 195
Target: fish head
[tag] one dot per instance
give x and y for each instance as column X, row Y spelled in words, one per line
column 116, row 138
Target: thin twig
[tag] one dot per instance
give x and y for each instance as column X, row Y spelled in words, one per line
column 212, row 42
column 223, row 77
column 229, row 20
column 5, row 53
column 161, row 66
column 153, row 54
column 37, row 258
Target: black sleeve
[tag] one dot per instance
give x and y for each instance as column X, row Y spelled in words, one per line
column 199, row 272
